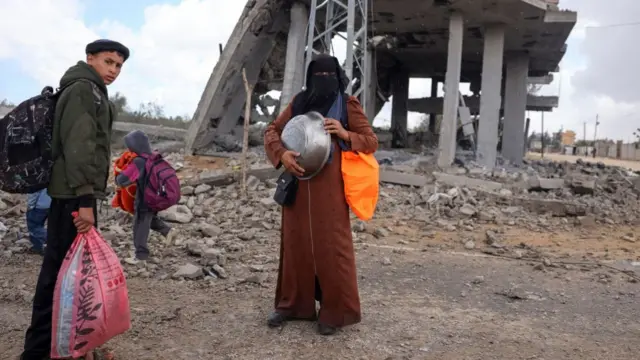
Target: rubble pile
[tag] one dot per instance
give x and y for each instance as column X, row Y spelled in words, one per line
column 222, row 235
column 539, row 191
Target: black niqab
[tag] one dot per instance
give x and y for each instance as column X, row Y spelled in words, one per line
column 324, row 83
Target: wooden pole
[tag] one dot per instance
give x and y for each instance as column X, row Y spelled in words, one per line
column 245, row 139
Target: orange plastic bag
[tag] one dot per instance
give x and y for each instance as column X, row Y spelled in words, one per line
column 361, row 176
column 125, row 197
column 90, row 302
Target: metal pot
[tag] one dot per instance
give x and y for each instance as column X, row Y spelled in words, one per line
column 305, row 134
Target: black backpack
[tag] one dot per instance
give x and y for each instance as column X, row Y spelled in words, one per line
column 26, row 132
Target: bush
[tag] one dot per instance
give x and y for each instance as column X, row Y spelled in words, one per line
column 148, row 114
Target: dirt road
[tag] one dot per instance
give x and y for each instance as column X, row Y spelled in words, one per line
column 423, row 296
column 634, row 165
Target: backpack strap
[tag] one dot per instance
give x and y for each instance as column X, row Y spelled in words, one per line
column 97, row 93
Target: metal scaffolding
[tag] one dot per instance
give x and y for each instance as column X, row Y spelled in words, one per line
column 338, row 15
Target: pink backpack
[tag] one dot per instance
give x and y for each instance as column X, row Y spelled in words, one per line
column 162, row 186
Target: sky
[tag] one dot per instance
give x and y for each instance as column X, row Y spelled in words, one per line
column 174, row 47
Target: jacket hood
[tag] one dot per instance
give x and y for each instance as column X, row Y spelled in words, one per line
column 82, row 70
column 138, row 142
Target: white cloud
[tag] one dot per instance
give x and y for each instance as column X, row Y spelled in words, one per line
column 172, row 54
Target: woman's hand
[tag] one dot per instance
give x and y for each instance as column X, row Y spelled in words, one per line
column 333, row 126
column 289, row 162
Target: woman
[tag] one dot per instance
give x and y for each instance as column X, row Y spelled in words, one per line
column 317, row 261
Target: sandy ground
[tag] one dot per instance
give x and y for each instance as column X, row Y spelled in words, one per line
column 423, row 297
column 634, row 165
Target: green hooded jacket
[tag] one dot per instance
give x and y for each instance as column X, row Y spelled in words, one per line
column 81, row 145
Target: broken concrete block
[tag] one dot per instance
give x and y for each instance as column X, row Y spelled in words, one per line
column 468, row 210
column 188, row 271
column 636, row 183
column 212, row 178
column 554, row 207
column 202, row 188
column 178, row 213
column 187, row 190
column 463, row 181
column 543, row 184
column 583, row 187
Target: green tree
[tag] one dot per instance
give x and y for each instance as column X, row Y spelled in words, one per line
column 120, row 102
column 6, row 103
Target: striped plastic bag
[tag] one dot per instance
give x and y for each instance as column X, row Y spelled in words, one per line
column 91, row 302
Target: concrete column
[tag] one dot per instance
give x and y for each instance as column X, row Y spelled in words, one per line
column 432, row 116
column 526, row 137
column 372, row 86
column 515, row 106
column 490, row 100
column 399, row 109
column 294, row 64
column 447, row 143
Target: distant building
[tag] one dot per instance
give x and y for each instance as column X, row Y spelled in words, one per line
column 535, row 145
column 568, row 137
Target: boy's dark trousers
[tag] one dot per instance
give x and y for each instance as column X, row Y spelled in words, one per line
column 143, row 222
column 60, row 235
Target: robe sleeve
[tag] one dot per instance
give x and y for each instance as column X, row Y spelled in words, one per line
column 363, row 139
column 272, row 144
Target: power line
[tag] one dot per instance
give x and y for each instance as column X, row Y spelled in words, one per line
column 612, row 25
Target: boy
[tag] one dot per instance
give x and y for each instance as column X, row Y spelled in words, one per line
column 38, row 204
column 82, row 151
column 144, row 219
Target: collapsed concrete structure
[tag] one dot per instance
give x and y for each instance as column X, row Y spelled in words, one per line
column 498, row 46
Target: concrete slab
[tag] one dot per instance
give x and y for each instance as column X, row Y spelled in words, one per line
column 249, row 47
column 152, row 130
column 420, row 33
column 399, row 178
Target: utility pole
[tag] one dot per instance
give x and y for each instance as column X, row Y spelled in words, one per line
column 542, row 135
column 595, row 136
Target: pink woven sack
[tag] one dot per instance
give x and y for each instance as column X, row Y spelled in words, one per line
column 90, row 302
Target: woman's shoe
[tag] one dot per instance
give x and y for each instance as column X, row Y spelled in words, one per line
column 276, row 319
column 326, row 329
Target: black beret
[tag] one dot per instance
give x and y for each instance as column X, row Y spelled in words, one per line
column 107, row 45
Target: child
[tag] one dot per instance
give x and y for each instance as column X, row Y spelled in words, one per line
column 37, row 211
column 144, row 219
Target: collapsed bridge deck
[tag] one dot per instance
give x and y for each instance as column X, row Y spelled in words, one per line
column 501, row 41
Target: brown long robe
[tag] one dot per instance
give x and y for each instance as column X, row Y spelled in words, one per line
column 316, row 232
